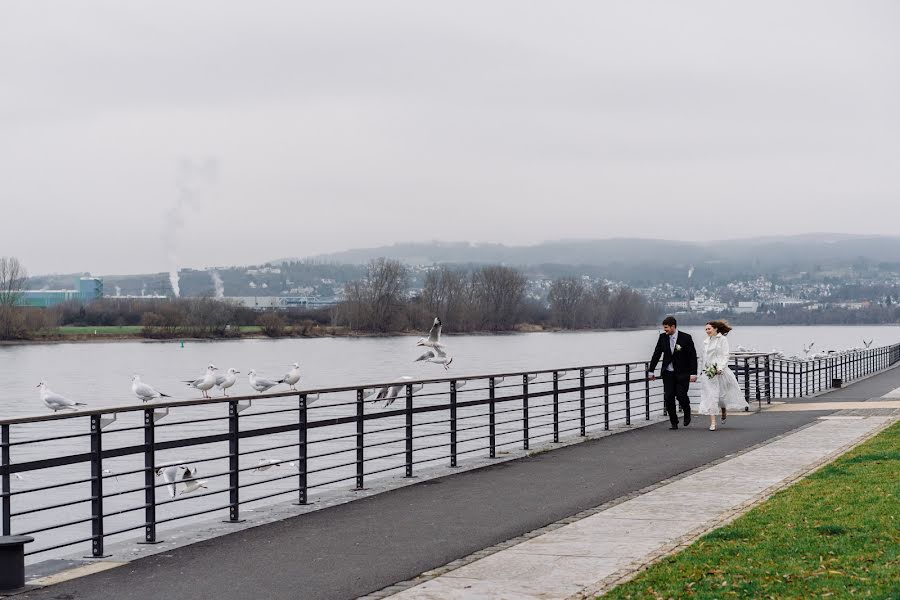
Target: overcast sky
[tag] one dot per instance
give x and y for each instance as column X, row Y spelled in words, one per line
column 137, row 135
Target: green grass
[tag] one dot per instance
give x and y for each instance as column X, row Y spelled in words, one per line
column 836, row 534
column 101, row 330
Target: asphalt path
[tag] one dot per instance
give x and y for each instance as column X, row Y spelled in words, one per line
column 352, row 549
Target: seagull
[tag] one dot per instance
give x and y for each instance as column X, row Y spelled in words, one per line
column 389, row 393
column 110, row 473
column 808, row 347
column 434, row 336
column 143, row 391
column 223, row 382
column 191, row 484
column 869, row 343
column 437, row 355
column 169, row 473
column 268, row 463
column 293, row 376
column 56, row 402
column 260, row 384
column 206, row 382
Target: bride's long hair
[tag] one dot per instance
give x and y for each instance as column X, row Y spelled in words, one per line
column 720, row 326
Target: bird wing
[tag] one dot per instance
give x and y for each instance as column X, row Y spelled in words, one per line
column 220, row 379
column 54, row 398
column 441, row 351
column 426, row 356
column 434, row 335
column 382, row 393
column 142, row 390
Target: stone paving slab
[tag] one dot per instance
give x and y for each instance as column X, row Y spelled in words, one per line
column 575, row 560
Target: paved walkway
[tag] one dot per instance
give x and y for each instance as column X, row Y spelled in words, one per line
column 358, row 548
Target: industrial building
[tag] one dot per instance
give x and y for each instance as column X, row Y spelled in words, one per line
column 89, row 289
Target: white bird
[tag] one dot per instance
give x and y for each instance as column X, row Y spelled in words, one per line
column 223, row 382
column 869, row 343
column 169, row 473
column 206, row 382
column 143, row 391
column 293, row 376
column 260, row 384
column 268, row 463
column 437, row 355
column 434, row 336
column 808, row 347
column 55, row 401
column 191, row 484
column 390, row 392
column 111, row 473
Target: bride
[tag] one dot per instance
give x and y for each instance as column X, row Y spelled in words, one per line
column 719, row 389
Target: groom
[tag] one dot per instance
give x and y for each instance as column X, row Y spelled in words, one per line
column 679, row 369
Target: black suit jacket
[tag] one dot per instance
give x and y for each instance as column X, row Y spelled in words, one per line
column 684, row 361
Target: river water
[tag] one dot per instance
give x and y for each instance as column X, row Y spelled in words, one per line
column 99, row 374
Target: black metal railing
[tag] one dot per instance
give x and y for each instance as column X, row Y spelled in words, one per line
column 91, row 475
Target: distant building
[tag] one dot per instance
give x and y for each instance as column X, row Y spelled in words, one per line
column 746, row 307
column 89, row 289
column 281, row 302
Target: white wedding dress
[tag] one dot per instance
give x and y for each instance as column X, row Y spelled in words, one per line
column 721, row 391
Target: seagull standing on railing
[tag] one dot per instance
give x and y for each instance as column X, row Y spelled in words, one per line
column 293, row 376
column 223, row 382
column 261, row 384
column 143, row 391
column 55, row 401
column 206, row 382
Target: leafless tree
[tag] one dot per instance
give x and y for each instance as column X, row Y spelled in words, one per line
column 12, row 279
column 567, row 302
column 498, row 292
column 377, row 302
column 446, row 295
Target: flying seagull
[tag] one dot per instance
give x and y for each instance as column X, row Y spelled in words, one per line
column 293, row 376
column 55, row 401
column 206, row 382
column 434, row 336
column 261, row 384
column 868, row 344
column 389, row 393
column 191, row 484
column 169, row 473
column 223, row 382
column 437, row 355
column 143, row 391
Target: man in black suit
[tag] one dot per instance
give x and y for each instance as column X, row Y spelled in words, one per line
column 679, row 369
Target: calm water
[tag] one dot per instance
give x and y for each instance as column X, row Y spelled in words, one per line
column 100, row 375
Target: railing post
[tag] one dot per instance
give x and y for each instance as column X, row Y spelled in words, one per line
column 800, row 374
column 767, row 379
column 555, row 406
column 525, row 411
column 747, row 383
column 756, row 378
column 234, row 464
column 360, row 439
column 96, row 488
column 453, row 423
column 149, row 477
column 581, row 405
column 302, row 439
column 5, row 483
column 606, row 398
column 409, row 430
column 492, row 419
column 628, row 394
column 647, row 391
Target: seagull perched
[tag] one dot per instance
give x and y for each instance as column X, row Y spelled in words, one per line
column 293, row 376
column 191, row 484
column 261, row 384
column 434, row 336
column 143, row 391
column 206, row 382
column 56, row 402
column 223, row 382
column 437, row 355
column 390, row 392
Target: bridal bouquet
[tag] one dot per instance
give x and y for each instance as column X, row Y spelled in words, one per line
column 712, row 370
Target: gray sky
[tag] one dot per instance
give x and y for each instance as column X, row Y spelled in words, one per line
column 344, row 124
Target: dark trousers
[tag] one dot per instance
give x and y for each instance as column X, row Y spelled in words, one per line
column 676, row 386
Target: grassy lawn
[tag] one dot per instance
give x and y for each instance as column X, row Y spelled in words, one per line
column 106, row 330
column 835, row 534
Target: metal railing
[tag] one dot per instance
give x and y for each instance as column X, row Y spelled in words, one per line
column 92, row 475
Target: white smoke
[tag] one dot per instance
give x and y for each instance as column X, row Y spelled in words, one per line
column 189, row 176
column 218, row 284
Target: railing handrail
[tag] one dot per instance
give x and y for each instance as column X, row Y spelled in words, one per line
column 300, row 392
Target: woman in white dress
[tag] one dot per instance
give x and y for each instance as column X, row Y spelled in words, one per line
column 719, row 389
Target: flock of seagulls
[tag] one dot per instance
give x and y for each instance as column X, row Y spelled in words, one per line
column 808, row 353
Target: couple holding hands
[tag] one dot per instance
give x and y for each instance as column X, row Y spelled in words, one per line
column 719, row 389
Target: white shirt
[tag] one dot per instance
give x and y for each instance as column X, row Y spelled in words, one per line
column 673, row 341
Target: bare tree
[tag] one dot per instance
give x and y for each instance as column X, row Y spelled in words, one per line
column 567, row 298
column 498, row 293
column 446, row 295
column 12, row 279
column 377, row 302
